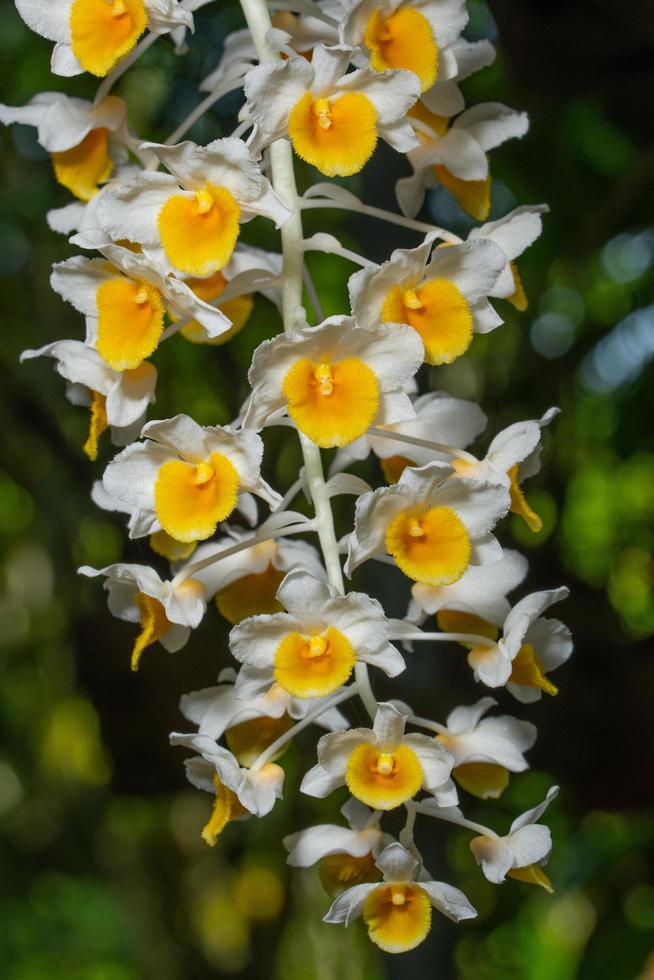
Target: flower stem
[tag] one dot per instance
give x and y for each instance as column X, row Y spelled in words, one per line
column 283, row 180
column 308, row 719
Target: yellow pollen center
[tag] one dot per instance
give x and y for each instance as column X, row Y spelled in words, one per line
column 141, row 296
column 317, row 647
column 324, row 377
column 205, row 201
column 385, row 763
column 322, row 110
column 203, row 473
column 411, row 300
column 118, row 8
column 415, row 528
column 398, row 894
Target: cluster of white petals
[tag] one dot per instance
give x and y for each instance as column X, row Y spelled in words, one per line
column 159, row 225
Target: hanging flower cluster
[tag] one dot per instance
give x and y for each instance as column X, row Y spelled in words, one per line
column 158, row 228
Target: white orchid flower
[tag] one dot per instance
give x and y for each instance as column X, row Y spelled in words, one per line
column 398, row 911
column 522, row 852
column 456, row 155
column 514, row 233
column 335, row 380
column 513, row 456
column 239, row 791
column 433, row 527
column 80, row 214
column 332, row 117
column 124, row 297
column 217, row 711
column 191, row 216
column 245, row 584
column 382, row 766
column 85, row 141
column 486, row 750
column 444, row 298
column 230, row 289
column 439, row 418
column 186, row 478
column 93, row 36
column 528, row 649
column 250, row 727
column 480, row 592
column 166, row 612
column 345, row 855
column 311, row 649
column 116, row 399
column 300, row 32
column 412, row 34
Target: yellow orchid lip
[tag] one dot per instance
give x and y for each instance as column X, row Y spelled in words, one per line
column 313, row 666
column 430, row 546
column 104, row 31
column 333, row 403
column 438, row 312
column 383, row 778
column 336, row 135
column 199, row 233
column 398, row 916
column 404, row 39
column 192, row 499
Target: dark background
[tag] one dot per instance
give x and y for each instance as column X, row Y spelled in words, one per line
column 106, row 877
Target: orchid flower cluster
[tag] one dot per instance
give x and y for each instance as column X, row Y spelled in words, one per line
column 158, row 227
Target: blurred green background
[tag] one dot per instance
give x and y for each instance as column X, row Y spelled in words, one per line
column 105, row 876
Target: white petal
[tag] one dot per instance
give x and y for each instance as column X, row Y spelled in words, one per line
column 531, row 816
column 349, row 905
column 388, row 726
column 303, row 595
column 397, row 863
column 449, row 900
column 530, row 844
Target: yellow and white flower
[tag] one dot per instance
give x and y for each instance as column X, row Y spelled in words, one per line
column 433, row 527
column 332, row 117
column 250, row 726
column 514, row 233
column 239, row 792
column 486, row 750
column 382, row 766
column 94, row 35
column 345, row 855
column 513, row 456
column 311, row 649
column 191, row 216
column 248, row 271
column 335, row 380
column 454, row 154
column 165, row 612
column 124, row 297
column 522, row 852
column 85, row 141
column 439, row 418
column 116, row 399
column 185, row 478
column 246, row 584
column 528, row 649
column 416, row 35
column 444, row 298
column 397, row 912
column 481, row 591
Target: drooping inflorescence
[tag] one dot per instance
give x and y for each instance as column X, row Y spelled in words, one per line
column 158, row 228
